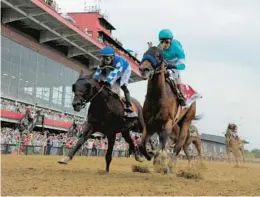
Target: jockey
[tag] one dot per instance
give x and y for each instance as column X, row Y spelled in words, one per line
column 120, row 74
column 232, row 130
column 175, row 58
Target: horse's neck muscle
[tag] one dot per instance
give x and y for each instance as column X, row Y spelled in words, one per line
column 156, row 86
column 103, row 103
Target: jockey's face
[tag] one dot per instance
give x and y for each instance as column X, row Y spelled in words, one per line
column 165, row 43
column 107, row 60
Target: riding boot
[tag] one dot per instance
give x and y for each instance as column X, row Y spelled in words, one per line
column 128, row 109
column 181, row 97
column 128, row 103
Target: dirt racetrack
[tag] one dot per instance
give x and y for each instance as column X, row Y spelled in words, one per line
column 42, row 175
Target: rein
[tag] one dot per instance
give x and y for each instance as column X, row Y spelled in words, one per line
column 155, row 71
column 99, row 91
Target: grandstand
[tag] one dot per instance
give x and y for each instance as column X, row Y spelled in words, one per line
column 43, row 52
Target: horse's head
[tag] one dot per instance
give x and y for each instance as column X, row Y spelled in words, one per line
column 151, row 62
column 83, row 90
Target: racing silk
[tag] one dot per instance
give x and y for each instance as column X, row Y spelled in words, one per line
column 120, row 64
column 175, row 54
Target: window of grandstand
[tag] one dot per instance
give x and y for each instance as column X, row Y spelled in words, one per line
column 31, row 77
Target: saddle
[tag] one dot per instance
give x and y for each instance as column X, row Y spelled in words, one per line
column 174, row 87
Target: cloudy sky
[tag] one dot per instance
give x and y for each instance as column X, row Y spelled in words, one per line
column 222, row 44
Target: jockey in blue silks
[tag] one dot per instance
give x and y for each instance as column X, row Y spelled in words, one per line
column 175, row 58
column 121, row 74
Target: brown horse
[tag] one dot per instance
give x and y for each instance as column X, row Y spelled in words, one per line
column 236, row 147
column 161, row 109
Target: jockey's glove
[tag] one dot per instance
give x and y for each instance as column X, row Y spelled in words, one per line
column 171, row 66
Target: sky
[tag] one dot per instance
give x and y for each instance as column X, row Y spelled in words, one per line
column 221, row 40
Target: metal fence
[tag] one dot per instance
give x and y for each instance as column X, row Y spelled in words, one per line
column 50, row 150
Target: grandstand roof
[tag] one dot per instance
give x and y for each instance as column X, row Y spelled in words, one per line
column 48, row 27
column 216, row 138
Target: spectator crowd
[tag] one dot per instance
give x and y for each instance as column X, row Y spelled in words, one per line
column 48, row 113
column 15, row 142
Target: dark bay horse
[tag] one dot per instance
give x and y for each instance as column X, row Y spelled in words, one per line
column 105, row 114
column 162, row 113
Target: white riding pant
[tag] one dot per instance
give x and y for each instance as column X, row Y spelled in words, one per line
column 174, row 74
column 124, row 80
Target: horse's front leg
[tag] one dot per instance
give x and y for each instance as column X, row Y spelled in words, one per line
column 132, row 146
column 87, row 131
column 185, row 149
column 163, row 138
column 111, row 142
column 142, row 147
column 179, row 144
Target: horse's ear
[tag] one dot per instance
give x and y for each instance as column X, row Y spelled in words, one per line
column 81, row 74
column 150, row 44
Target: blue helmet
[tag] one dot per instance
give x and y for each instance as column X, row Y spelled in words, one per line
column 165, row 34
column 107, row 51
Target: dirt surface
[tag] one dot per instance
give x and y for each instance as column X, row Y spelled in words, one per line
column 42, row 175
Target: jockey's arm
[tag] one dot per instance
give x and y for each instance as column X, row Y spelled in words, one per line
column 180, row 64
column 97, row 73
column 113, row 75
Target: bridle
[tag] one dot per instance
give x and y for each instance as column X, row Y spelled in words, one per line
column 156, row 61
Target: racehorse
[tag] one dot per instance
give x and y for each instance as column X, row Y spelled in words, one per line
column 234, row 146
column 161, row 109
column 105, row 114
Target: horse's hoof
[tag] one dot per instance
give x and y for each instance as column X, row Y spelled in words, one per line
column 138, row 158
column 102, row 172
column 64, row 160
column 168, row 171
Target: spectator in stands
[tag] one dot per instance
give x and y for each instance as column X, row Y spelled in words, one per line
column 49, row 145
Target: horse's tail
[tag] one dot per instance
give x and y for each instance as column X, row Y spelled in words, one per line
column 198, row 117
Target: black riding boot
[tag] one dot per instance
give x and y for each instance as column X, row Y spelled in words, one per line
column 127, row 99
column 181, row 97
column 128, row 108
